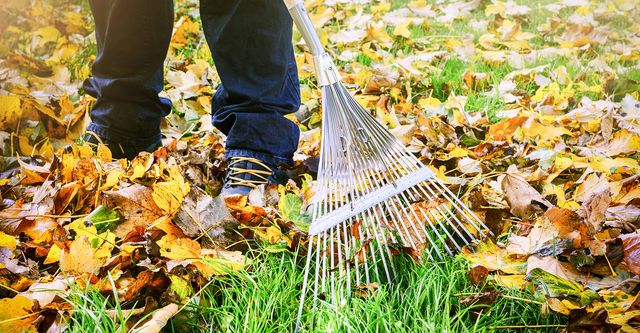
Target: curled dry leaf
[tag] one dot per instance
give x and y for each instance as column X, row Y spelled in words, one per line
column 594, row 208
column 522, row 197
column 136, row 205
column 478, row 274
column 158, row 320
column 631, row 245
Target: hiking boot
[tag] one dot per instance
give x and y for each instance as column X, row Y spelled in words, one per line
column 246, row 173
column 128, row 150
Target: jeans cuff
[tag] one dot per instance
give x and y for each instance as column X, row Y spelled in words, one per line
column 267, row 158
column 111, row 135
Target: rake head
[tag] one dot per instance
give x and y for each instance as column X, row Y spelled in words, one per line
column 373, row 198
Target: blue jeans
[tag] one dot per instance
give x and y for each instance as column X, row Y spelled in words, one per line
column 250, row 41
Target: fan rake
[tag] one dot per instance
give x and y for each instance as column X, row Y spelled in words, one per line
column 373, row 197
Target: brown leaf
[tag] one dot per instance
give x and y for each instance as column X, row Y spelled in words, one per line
column 481, row 301
column 631, row 245
column 134, row 290
column 81, row 257
column 503, row 131
column 137, row 206
column 64, row 197
column 569, row 225
column 366, row 290
column 583, row 321
column 202, row 214
column 594, row 208
column 478, row 275
column 521, row 196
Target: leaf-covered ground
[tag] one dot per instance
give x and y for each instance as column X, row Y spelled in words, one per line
column 527, row 109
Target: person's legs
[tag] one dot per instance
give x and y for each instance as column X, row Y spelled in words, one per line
column 133, row 38
column 250, row 41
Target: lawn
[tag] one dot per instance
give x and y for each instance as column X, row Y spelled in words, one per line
column 527, row 110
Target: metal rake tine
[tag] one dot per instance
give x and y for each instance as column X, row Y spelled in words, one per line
column 464, row 207
column 331, row 270
column 356, row 266
column 305, row 282
column 444, row 216
column 382, row 243
column 357, row 273
column 460, row 223
column 449, row 198
column 324, row 263
column 411, row 163
column 361, row 178
column 347, row 267
column 344, row 121
column 371, row 250
column 433, row 244
column 430, row 222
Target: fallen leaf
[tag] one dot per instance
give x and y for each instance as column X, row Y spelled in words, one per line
column 631, row 244
column 522, row 198
column 581, row 320
column 80, row 258
column 16, row 315
column 10, row 112
column 555, row 286
column 491, row 256
column 136, row 205
column 478, row 275
column 158, row 320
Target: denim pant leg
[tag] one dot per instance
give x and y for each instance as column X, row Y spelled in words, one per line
column 127, row 75
column 250, row 41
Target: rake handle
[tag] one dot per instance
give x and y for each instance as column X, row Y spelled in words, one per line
column 326, row 71
column 291, row 3
column 305, row 26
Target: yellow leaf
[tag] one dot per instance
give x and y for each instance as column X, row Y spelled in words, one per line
column 53, row 255
column 14, row 315
column 179, row 248
column 10, row 112
column 378, row 34
column 429, row 103
column 402, row 29
column 458, row 152
column 8, row 241
column 220, row 262
column 609, row 166
column 81, row 257
column 381, row 8
column 167, row 196
column 623, row 142
column 104, row 153
column 511, row 281
column 47, row 34
column 489, row 255
column 496, row 8
column 112, row 180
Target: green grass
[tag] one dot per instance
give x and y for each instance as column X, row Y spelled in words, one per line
column 91, row 311
column 424, row 299
column 265, row 299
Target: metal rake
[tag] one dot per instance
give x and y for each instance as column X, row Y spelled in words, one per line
column 373, row 197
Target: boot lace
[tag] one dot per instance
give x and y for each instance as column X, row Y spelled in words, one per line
column 236, row 172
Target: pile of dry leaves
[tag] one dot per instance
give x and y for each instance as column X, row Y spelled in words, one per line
column 529, row 112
